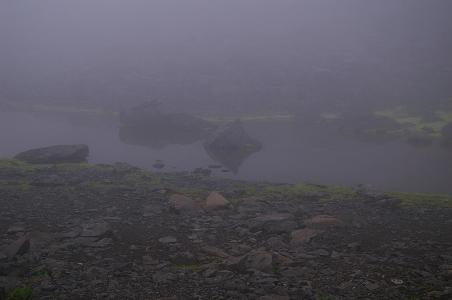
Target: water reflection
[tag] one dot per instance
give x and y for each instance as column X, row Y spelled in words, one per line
column 229, row 144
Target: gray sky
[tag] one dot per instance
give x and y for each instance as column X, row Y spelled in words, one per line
column 202, row 53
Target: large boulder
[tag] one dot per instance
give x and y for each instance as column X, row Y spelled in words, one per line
column 146, row 125
column 231, row 145
column 55, row 154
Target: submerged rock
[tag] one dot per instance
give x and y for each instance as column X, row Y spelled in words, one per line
column 55, row 154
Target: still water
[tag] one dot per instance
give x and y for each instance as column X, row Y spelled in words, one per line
column 289, row 154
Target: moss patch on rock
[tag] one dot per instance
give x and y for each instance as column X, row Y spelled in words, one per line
column 422, row 199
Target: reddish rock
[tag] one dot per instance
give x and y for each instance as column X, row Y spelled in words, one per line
column 215, row 201
column 304, row 235
column 323, row 221
column 183, row 203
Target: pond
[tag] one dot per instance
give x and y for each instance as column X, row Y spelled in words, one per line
column 289, row 154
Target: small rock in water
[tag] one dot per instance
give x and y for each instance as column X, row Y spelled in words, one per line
column 158, row 165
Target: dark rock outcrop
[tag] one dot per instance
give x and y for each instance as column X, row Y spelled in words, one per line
column 146, row 125
column 231, row 145
column 55, row 154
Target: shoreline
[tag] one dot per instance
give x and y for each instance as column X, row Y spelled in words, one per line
column 84, row 231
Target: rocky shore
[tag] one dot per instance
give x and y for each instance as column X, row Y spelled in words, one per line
column 82, row 231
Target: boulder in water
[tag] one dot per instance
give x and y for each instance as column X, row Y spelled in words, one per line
column 231, row 145
column 146, row 125
column 55, row 154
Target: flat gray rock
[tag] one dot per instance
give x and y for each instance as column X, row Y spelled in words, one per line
column 55, row 154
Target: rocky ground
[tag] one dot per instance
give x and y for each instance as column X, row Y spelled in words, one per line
column 80, row 231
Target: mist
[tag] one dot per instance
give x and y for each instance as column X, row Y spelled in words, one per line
column 225, row 149
column 235, row 55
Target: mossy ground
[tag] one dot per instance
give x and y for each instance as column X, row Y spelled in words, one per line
column 422, row 199
column 21, row 293
column 417, row 124
column 106, row 179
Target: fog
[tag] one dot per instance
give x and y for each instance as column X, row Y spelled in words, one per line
column 326, row 75
column 226, row 55
column 225, row 149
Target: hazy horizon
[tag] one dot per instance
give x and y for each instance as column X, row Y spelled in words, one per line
column 234, row 55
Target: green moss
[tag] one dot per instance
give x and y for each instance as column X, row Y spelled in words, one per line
column 325, row 192
column 322, row 296
column 73, row 166
column 139, row 176
column 415, row 124
column 422, row 199
column 194, row 193
column 19, row 185
column 22, row 293
column 101, row 185
column 143, row 178
column 188, row 267
column 17, row 165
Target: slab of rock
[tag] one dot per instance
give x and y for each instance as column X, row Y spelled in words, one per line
column 323, row 221
column 304, row 235
column 55, row 154
column 214, row 251
column 257, row 260
column 251, row 206
column 183, row 203
column 274, row 223
column 168, row 240
column 15, row 229
column 95, row 229
column 275, row 297
column 17, row 248
column 216, row 201
column 276, row 243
